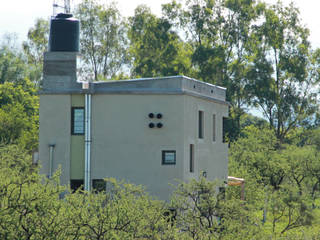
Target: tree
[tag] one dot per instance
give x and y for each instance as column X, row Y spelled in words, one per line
column 220, row 33
column 19, row 115
column 30, row 208
column 35, row 46
column 280, row 179
column 123, row 211
column 284, row 72
column 204, row 211
column 155, row 48
column 12, row 63
column 102, row 40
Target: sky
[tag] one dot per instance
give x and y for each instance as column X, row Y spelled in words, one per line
column 17, row 16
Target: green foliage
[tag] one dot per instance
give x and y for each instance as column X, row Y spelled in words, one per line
column 124, row 211
column 12, row 65
column 28, row 207
column 204, row 212
column 32, row 207
column 102, row 40
column 281, row 180
column 34, row 48
column 19, row 115
column 283, row 72
column 155, row 48
column 221, row 36
column 260, row 53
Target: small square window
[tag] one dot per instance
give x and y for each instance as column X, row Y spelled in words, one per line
column 168, row 157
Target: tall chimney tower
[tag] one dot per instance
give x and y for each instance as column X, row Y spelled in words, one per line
column 60, row 63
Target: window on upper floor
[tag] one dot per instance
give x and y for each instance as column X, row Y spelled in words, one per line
column 77, row 120
column 213, row 127
column 200, row 124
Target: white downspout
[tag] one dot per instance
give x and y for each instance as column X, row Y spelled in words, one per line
column 87, row 167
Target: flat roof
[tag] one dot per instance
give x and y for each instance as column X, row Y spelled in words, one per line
column 158, row 85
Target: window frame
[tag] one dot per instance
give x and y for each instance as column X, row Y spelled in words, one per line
column 73, row 120
column 163, row 160
column 201, row 124
column 191, row 158
column 214, row 127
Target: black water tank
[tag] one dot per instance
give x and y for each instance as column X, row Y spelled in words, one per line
column 64, row 33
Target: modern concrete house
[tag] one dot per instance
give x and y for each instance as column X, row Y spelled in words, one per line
column 151, row 131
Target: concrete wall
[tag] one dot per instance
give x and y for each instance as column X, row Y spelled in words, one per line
column 55, row 129
column 60, row 71
column 209, row 156
column 124, row 147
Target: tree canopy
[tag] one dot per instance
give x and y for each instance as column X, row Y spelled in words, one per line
column 261, row 53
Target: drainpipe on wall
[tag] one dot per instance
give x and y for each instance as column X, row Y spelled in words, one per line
column 87, row 149
column 51, row 148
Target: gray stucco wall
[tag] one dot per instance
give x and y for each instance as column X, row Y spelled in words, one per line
column 124, row 147
column 209, row 156
column 55, row 129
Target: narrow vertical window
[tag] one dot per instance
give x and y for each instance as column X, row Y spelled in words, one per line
column 201, row 124
column 224, row 129
column 213, row 127
column 191, row 158
column 77, row 121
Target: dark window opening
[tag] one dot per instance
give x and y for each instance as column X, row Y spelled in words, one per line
column 76, row 184
column 77, row 120
column 191, row 158
column 224, row 129
column 99, row 185
column 201, row 124
column 213, row 127
column 168, row 157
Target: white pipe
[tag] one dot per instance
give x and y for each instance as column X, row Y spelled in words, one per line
column 87, row 167
column 51, row 147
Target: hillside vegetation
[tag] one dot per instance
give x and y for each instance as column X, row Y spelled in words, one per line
column 260, row 53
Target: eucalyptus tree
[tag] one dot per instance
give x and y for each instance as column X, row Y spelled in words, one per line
column 221, row 34
column 35, row 46
column 155, row 48
column 102, row 40
column 284, row 70
column 12, row 62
